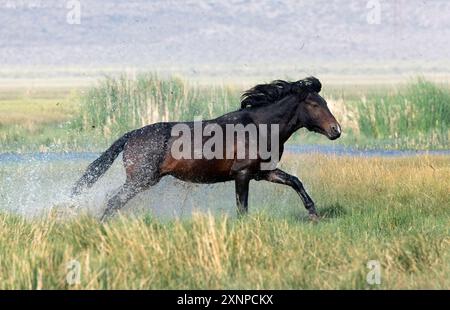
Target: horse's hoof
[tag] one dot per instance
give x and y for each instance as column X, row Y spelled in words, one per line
column 314, row 218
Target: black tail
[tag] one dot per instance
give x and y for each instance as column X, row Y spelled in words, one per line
column 98, row 167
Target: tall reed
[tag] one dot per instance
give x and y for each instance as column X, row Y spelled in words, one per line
column 415, row 116
column 421, row 109
column 124, row 103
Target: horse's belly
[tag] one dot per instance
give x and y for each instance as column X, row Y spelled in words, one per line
column 198, row 170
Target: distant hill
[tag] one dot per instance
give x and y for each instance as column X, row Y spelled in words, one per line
column 230, row 33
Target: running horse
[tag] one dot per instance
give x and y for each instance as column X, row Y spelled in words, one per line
column 148, row 156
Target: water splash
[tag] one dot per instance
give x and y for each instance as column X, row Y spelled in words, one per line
column 32, row 185
column 37, row 183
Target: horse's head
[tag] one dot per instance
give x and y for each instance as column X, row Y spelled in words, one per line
column 311, row 110
column 314, row 114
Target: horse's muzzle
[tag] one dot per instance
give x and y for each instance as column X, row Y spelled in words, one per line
column 334, row 132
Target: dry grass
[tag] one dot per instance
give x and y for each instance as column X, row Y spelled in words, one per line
column 395, row 211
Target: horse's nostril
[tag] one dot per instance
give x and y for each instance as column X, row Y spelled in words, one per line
column 336, row 129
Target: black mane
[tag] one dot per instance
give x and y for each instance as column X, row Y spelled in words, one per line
column 264, row 94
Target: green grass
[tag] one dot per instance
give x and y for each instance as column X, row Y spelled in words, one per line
column 421, row 112
column 411, row 116
column 35, row 118
column 415, row 116
column 119, row 105
column 394, row 210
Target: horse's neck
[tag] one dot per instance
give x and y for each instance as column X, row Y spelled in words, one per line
column 282, row 113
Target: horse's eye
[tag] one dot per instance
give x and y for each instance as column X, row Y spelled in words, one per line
column 314, row 104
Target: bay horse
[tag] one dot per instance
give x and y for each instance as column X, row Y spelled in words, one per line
column 147, row 155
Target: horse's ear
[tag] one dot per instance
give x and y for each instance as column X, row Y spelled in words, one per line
column 310, row 84
column 297, row 87
column 313, row 84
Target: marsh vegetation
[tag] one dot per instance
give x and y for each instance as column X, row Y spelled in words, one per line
column 393, row 210
column 415, row 115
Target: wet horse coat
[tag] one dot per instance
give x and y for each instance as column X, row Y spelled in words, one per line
column 147, row 152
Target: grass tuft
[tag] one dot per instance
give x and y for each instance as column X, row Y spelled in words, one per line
column 366, row 217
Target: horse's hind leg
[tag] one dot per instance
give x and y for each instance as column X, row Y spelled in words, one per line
column 133, row 186
column 142, row 158
column 125, row 193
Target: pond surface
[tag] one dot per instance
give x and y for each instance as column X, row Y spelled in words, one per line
column 35, row 183
column 295, row 149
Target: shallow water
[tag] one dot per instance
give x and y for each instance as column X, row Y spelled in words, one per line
column 338, row 150
column 33, row 184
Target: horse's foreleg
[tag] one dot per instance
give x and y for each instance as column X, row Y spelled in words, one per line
column 242, row 181
column 125, row 193
column 281, row 177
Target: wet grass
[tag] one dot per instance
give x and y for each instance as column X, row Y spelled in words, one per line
column 393, row 210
